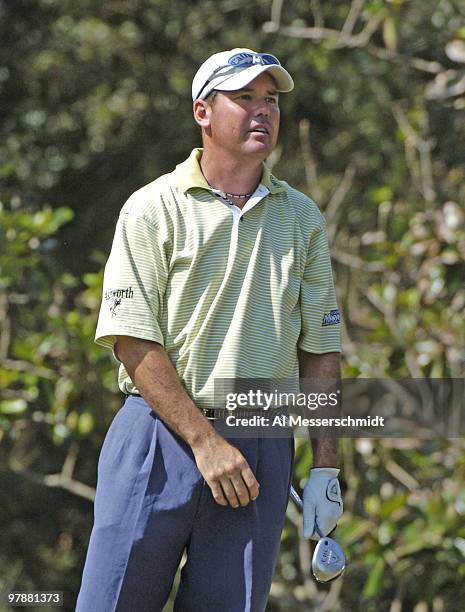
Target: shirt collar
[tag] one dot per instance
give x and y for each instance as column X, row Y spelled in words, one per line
column 189, row 175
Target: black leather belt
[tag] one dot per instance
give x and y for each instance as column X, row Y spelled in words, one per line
column 240, row 413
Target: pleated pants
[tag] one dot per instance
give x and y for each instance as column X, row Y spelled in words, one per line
column 152, row 504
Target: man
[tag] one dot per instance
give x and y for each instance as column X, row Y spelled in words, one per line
column 217, row 270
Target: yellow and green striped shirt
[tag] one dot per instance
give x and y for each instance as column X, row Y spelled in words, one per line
column 229, row 293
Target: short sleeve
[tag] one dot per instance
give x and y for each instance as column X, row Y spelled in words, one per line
column 135, row 281
column 319, row 311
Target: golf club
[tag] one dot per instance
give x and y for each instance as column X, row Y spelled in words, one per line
column 328, row 561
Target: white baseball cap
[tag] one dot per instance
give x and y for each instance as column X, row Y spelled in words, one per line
column 232, row 70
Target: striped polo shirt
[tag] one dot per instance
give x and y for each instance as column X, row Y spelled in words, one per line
column 229, row 293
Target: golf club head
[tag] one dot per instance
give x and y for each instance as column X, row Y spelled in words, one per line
column 328, row 561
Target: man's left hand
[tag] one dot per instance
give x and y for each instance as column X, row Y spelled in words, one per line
column 322, row 501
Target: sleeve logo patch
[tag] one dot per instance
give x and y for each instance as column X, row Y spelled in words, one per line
column 115, row 297
column 331, row 318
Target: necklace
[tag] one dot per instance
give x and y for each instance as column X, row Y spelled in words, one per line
column 227, row 196
column 242, row 196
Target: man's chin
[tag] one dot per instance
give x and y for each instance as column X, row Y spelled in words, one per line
column 258, row 149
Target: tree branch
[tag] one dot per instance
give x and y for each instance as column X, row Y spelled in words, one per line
column 310, row 166
column 319, row 33
column 275, row 17
column 26, row 366
column 338, row 197
column 422, row 172
column 354, row 261
column 346, row 38
column 63, row 479
column 389, row 315
column 5, row 334
column 432, row 67
column 354, row 13
column 317, row 13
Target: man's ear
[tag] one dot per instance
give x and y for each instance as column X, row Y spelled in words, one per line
column 202, row 110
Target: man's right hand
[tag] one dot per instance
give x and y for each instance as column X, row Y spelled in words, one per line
column 226, row 472
column 224, row 468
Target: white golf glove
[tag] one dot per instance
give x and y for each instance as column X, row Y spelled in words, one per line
column 322, row 501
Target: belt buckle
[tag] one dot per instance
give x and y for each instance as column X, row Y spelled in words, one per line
column 209, row 413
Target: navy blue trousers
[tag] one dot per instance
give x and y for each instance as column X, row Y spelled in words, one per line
column 152, row 504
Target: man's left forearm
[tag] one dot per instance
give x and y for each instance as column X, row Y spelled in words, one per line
column 323, row 367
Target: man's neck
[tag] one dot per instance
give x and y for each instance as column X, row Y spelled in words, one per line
column 230, row 175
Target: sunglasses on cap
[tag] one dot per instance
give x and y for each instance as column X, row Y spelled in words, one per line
column 241, row 60
column 249, row 59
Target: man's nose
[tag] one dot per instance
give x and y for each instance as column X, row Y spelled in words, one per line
column 262, row 107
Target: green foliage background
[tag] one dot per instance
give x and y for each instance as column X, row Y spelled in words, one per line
column 95, row 102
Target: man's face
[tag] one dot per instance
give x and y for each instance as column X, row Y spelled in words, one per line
column 246, row 122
